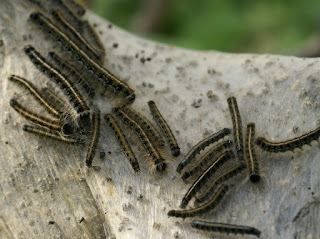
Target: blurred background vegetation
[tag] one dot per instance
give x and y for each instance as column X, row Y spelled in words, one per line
column 289, row 27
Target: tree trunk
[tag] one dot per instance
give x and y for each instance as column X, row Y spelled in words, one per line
column 48, row 192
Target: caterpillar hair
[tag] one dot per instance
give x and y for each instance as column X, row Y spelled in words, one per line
column 216, row 199
column 174, row 147
column 123, row 141
column 237, row 126
column 68, row 126
column 205, row 176
column 200, row 146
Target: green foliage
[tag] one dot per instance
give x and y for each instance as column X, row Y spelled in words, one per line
column 273, row 26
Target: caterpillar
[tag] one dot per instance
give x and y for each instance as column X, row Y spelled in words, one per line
column 80, row 25
column 216, row 199
column 95, row 135
column 72, row 73
column 64, row 83
column 200, row 146
column 105, row 76
column 174, row 147
column 238, row 168
column 94, row 38
column 79, row 10
column 205, row 176
column 69, row 12
column 123, row 141
column 224, row 227
column 206, row 158
column 54, row 100
column 35, row 93
column 253, row 164
column 237, row 126
column 288, row 145
column 76, row 35
column 51, row 134
column 146, row 125
column 45, row 122
column 157, row 159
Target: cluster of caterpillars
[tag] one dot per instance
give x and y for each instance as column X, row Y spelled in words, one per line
column 209, row 189
column 72, row 120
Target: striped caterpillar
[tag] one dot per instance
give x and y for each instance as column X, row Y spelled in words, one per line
column 252, row 160
column 95, row 135
column 288, row 145
column 224, row 227
column 123, row 141
column 220, row 160
column 105, row 76
column 54, row 74
column 237, row 126
column 157, row 159
column 206, row 158
column 200, row 146
column 217, row 198
column 174, row 147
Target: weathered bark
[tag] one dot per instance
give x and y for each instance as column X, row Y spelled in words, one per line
column 46, row 188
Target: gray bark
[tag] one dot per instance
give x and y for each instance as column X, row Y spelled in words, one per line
column 48, row 192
